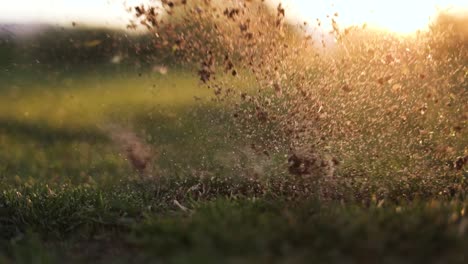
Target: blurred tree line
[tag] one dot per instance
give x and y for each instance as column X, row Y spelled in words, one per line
column 76, row 47
column 73, row 47
column 79, row 47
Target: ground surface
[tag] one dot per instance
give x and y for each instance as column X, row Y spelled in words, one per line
column 73, row 187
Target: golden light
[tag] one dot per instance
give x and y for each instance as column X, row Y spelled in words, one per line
column 398, row 16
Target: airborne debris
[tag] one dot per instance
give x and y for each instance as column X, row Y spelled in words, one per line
column 140, row 155
column 365, row 98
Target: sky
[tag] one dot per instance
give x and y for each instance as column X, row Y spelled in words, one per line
column 64, row 12
column 403, row 16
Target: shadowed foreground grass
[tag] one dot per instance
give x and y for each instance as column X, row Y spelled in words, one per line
column 188, row 220
column 69, row 194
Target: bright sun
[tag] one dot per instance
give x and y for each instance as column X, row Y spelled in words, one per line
column 399, row 16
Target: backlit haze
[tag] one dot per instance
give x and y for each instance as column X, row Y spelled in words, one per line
column 399, row 16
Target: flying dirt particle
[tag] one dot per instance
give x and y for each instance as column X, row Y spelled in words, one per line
column 347, row 88
column 161, row 69
column 311, row 164
column 116, row 59
column 389, row 58
column 396, row 88
column 137, row 152
column 461, row 162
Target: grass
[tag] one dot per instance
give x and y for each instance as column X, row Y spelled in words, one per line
column 69, row 194
column 142, row 221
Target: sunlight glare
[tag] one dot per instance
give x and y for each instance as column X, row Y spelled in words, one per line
column 398, row 16
column 401, row 16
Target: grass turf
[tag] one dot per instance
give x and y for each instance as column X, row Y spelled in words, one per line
column 68, row 193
